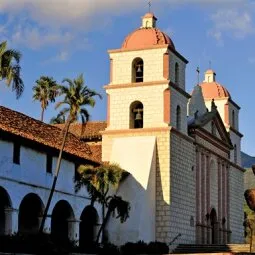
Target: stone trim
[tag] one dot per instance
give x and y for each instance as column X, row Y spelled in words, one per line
column 135, row 130
column 164, row 46
column 136, row 84
column 108, row 110
column 167, row 106
column 226, row 113
column 236, row 132
column 111, row 69
column 183, row 92
column 186, row 137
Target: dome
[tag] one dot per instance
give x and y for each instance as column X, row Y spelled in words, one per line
column 214, row 90
column 146, row 36
column 211, row 88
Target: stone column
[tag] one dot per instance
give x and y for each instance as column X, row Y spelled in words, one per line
column 228, row 237
column 223, row 200
column 208, row 194
column 198, row 196
column 203, row 200
column 47, row 224
column 12, row 221
column 220, row 202
column 73, row 230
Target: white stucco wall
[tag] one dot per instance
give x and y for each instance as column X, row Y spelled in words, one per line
column 30, row 177
column 139, row 189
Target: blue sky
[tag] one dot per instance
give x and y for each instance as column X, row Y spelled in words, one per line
column 63, row 38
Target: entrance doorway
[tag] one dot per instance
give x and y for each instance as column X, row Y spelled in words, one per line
column 214, row 226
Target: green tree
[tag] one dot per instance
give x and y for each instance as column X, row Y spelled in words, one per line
column 10, row 68
column 59, row 119
column 98, row 181
column 45, row 91
column 77, row 97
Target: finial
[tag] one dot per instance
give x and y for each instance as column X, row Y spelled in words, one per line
column 198, row 75
column 210, row 64
column 149, row 4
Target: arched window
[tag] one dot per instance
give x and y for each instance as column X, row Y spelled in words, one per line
column 136, row 115
column 178, row 118
column 233, row 119
column 137, row 70
column 176, row 74
column 235, row 153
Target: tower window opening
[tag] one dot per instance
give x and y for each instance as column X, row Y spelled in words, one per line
column 136, row 115
column 235, row 153
column 233, row 119
column 137, row 70
column 178, row 118
column 177, row 75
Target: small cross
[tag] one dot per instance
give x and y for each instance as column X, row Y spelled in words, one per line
column 198, row 72
column 149, row 4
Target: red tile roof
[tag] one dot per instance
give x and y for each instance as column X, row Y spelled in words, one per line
column 21, row 125
column 88, row 130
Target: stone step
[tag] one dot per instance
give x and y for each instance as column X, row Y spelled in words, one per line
column 210, row 248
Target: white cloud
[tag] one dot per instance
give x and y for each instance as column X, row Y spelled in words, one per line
column 236, row 23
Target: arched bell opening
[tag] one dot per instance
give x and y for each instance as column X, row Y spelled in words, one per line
column 136, row 115
column 88, row 226
column 30, row 214
column 137, row 70
column 62, row 221
column 5, row 205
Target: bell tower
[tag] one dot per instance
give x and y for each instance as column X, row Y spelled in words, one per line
column 147, row 118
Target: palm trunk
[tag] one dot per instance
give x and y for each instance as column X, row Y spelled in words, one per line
column 42, row 114
column 55, row 175
column 105, row 220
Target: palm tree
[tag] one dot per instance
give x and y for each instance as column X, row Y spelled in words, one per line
column 76, row 96
column 45, row 91
column 10, row 68
column 58, row 119
column 98, row 181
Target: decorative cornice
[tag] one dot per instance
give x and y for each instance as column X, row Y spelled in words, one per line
column 235, row 131
column 136, row 84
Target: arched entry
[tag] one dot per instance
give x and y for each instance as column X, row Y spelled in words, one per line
column 214, row 226
column 5, row 203
column 88, row 224
column 30, row 213
column 61, row 221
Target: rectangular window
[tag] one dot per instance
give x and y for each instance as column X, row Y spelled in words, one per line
column 49, row 164
column 16, row 153
column 76, row 174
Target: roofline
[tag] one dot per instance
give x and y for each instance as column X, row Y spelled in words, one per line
column 9, row 136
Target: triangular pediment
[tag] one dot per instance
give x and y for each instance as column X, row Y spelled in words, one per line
column 212, row 125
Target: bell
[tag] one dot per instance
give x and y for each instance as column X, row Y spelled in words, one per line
column 138, row 116
column 139, row 69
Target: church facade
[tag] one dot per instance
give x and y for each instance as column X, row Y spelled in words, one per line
column 182, row 151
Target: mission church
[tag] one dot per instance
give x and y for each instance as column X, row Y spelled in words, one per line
column 182, row 151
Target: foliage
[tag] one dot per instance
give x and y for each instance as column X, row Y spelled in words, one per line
column 76, row 97
column 35, row 244
column 10, row 68
column 59, row 119
column 98, row 181
column 45, row 91
column 143, row 248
